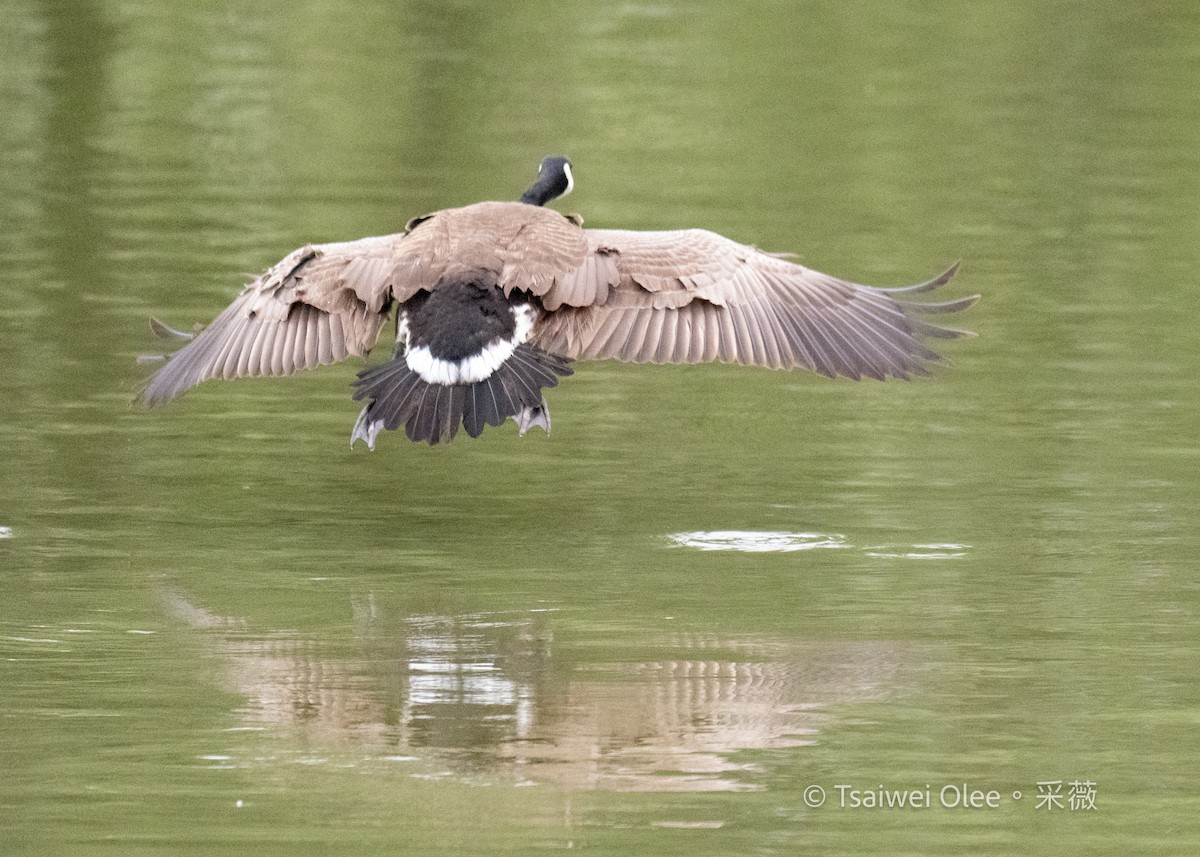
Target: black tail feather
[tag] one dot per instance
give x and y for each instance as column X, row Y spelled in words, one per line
column 433, row 412
column 474, row 415
column 420, row 423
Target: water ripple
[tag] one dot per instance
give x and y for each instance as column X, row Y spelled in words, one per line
column 930, row 551
column 755, row 541
column 760, row 541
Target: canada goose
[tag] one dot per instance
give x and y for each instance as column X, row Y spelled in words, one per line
column 496, row 299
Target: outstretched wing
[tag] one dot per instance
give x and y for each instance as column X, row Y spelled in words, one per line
column 319, row 305
column 693, row 296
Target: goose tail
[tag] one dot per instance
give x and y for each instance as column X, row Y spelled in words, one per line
column 397, row 395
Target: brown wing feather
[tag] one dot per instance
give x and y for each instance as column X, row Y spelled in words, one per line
column 692, row 296
column 320, row 304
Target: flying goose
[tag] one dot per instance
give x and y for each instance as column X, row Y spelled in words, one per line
column 495, row 300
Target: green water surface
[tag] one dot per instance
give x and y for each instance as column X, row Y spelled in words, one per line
column 224, row 632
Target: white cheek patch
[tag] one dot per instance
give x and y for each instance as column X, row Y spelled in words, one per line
column 570, row 179
column 477, row 367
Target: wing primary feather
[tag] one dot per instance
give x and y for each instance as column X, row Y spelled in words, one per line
column 304, row 345
column 287, row 354
column 255, row 360
column 741, row 331
column 224, row 359
column 857, row 342
column 929, row 285
column 843, row 363
column 937, row 332
column 823, row 360
column 939, row 308
column 888, row 357
column 758, row 347
column 853, row 344
column 730, row 352
column 242, row 367
column 773, row 336
column 271, row 362
column 793, row 336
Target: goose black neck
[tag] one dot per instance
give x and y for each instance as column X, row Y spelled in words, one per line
column 554, row 180
column 543, row 190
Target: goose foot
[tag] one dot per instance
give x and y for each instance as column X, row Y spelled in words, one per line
column 365, row 429
column 530, row 416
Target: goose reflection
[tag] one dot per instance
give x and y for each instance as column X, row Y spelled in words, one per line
column 497, row 696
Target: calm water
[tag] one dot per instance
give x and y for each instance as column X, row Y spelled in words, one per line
column 224, row 632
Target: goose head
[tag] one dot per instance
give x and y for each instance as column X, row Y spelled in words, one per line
column 554, row 180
